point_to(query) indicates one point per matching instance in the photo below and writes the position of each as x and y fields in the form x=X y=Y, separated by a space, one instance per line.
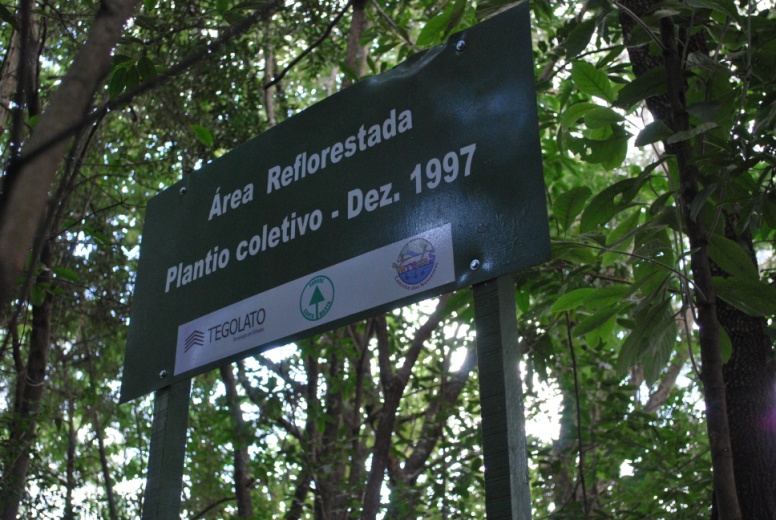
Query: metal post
x=507 y=489
x=168 y=449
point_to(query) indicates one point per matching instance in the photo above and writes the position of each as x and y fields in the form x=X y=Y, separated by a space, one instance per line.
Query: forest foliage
x=657 y=128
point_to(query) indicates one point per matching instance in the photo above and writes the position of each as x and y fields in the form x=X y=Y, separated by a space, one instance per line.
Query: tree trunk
x=330 y=472
x=24 y=205
x=9 y=79
x=269 y=71
x=743 y=390
x=31 y=381
x=71 y=444
x=300 y=495
x=750 y=384
x=393 y=386
x=108 y=481
x=240 y=442
x=357 y=53
x=405 y=496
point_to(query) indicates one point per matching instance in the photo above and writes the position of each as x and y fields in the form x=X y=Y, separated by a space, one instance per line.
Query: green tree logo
x=317 y=298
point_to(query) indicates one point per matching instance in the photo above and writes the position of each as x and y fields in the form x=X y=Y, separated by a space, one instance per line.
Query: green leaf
x=118 y=82
x=654 y=132
x=592 y=81
x=601 y=117
x=574 y=113
x=609 y=153
x=571 y=300
x=603 y=333
x=606 y=296
x=203 y=134
x=652 y=341
x=349 y=72
x=624 y=230
x=726 y=7
x=146 y=68
x=693 y=132
x=133 y=78
x=146 y=22
x=233 y=16
x=601 y=209
x=651 y=83
x=700 y=200
x=706 y=112
x=569 y=204
x=769 y=212
x=574 y=253
x=622 y=233
x=579 y=37
x=765 y=119
x=67 y=274
x=597 y=320
x=732 y=258
x=750 y=296
x=439 y=26
x=121 y=59
x=459 y=7
x=98 y=236
x=523 y=300
x=488 y=8
x=37 y=295
x=725 y=345
x=8 y=17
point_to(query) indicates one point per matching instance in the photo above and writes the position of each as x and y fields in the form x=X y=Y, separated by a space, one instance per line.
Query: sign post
x=507 y=489
x=164 y=484
x=409 y=184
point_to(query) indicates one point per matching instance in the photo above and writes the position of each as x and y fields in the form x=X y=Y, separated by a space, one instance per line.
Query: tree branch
x=310 y=49
x=228 y=34
x=434 y=418
x=668 y=382
x=393 y=389
x=423 y=334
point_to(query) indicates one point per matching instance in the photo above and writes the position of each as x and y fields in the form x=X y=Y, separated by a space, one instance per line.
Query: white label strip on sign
x=381 y=276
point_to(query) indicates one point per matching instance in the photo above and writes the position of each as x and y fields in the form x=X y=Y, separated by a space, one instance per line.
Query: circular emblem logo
x=416 y=263
x=317 y=298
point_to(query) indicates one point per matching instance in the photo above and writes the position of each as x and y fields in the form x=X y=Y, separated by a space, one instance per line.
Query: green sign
x=408 y=184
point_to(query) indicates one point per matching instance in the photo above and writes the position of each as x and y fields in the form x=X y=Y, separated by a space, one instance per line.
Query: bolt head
x=183 y=190
x=461 y=45
x=162 y=374
x=474 y=264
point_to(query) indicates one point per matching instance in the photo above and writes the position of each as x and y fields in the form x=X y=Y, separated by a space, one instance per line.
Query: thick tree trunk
x=24 y=206
x=750 y=383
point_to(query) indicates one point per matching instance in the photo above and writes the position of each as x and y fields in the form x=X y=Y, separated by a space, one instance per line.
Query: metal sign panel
x=408 y=184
